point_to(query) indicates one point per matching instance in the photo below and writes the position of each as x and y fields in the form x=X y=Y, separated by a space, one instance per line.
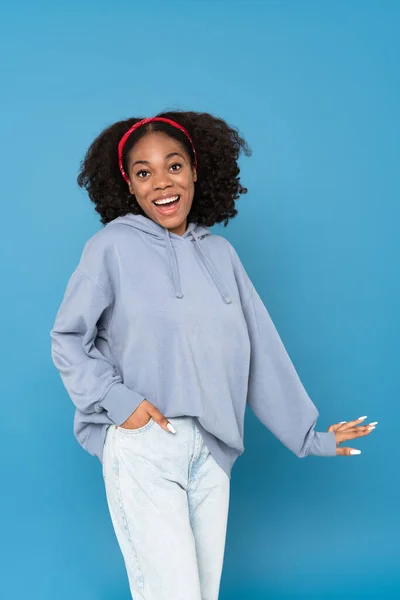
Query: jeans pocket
x=146 y=427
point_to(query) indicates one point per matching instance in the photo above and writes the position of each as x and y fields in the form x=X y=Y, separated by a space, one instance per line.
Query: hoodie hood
x=196 y=233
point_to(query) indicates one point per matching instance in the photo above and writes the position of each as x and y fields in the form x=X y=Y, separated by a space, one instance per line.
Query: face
x=159 y=170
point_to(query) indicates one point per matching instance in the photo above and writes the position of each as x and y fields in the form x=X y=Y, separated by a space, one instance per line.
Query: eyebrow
x=146 y=162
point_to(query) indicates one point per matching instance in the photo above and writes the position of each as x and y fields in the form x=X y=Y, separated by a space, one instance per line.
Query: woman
x=160 y=341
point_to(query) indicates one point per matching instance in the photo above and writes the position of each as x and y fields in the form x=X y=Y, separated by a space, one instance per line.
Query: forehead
x=156 y=144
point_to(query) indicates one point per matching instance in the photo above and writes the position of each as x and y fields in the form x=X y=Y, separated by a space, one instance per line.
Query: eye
x=140 y=173
x=176 y=165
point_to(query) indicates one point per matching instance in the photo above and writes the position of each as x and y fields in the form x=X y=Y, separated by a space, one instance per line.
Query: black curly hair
x=217 y=145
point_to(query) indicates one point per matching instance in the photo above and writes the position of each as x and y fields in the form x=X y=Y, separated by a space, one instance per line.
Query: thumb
x=347 y=451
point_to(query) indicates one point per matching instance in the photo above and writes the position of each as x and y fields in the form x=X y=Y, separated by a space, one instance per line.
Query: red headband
x=124 y=138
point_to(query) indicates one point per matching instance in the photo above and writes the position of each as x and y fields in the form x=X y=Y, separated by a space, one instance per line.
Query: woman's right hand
x=142 y=415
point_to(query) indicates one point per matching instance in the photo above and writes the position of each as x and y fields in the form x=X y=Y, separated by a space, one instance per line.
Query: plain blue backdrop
x=314 y=88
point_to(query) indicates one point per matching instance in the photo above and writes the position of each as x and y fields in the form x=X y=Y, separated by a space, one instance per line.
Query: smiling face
x=159 y=171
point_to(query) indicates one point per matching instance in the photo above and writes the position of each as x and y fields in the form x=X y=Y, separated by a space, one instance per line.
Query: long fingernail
x=374 y=423
x=170 y=427
x=341 y=422
x=370 y=428
x=355 y=451
x=361 y=418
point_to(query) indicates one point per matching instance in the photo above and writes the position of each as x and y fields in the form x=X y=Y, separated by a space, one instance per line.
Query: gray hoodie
x=148 y=314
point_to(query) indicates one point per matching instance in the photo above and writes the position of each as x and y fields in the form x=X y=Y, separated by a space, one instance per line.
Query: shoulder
x=105 y=241
x=220 y=244
x=100 y=255
x=219 y=241
x=223 y=247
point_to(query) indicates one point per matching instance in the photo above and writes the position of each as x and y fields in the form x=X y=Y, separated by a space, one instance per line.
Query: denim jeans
x=168 y=501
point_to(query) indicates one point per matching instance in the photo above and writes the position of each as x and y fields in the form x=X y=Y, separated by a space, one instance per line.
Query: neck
x=180 y=230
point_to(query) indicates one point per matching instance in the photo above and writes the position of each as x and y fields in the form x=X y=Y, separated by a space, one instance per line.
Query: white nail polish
x=341 y=422
x=361 y=418
x=374 y=423
x=355 y=451
x=170 y=427
x=370 y=428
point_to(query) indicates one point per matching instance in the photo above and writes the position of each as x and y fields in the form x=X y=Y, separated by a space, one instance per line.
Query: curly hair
x=217 y=145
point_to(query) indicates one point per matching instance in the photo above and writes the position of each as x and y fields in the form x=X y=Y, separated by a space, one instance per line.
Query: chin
x=173 y=224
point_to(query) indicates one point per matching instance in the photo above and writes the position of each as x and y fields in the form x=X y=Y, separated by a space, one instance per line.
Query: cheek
x=188 y=183
x=141 y=190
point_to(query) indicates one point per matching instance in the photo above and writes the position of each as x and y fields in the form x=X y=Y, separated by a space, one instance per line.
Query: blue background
x=314 y=88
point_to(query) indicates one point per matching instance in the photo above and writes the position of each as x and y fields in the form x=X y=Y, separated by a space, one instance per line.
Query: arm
x=275 y=392
x=89 y=377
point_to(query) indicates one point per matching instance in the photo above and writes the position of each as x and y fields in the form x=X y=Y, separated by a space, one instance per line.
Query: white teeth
x=166 y=200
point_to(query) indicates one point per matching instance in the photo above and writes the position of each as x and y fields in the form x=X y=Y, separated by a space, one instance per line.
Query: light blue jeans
x=169 y=502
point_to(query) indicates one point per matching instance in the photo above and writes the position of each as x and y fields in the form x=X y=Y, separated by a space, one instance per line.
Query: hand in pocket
x=142 y=415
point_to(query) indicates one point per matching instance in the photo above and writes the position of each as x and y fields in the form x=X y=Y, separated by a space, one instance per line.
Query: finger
x=354 y=423
x=336 y=426
x=347 y=451
x=351 y=434
x=160 y=419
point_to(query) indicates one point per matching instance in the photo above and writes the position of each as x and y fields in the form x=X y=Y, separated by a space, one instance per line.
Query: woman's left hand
x=349 y=431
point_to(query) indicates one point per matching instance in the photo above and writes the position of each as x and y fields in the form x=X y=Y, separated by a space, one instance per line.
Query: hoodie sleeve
x=89 y=377
x=275 y=392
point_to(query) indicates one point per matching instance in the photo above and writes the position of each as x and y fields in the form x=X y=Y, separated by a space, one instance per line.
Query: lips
x=169 y=208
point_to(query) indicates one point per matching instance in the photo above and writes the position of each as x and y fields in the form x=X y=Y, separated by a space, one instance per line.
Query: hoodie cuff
x=120 y=402
x=323 y=444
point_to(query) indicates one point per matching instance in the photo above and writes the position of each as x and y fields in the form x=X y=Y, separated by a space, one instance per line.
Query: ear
x=194 y=175
x=131 y=188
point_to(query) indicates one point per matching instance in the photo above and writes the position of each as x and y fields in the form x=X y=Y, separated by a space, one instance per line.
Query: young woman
x=161 y=340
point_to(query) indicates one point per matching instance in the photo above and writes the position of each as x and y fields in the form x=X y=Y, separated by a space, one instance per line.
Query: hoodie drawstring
x=174 y=266
x=216 y=277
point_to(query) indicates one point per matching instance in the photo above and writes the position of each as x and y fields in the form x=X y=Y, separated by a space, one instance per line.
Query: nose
x=161 y=181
